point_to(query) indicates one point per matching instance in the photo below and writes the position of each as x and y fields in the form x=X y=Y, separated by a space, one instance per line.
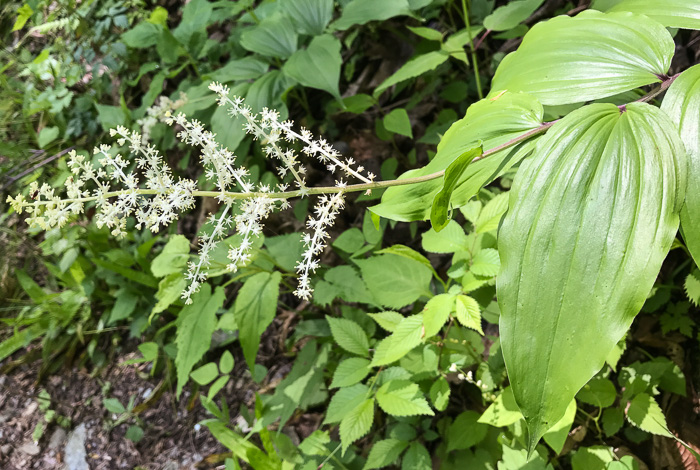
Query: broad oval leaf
x=593 y=214
x=511 y=15
x=494 y=121
x=310 y=16
x=682 y=104
x=595 y=55
x=273 y=37
x=671 y=13
x=317 y=66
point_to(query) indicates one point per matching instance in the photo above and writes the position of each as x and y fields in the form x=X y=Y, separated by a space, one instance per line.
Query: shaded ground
x=170 y=439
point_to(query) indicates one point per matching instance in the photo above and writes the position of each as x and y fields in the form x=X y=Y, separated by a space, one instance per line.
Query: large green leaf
x=671 y=13
x=254 y=310
x=395 y=281
x=493 y=121
x=413 y=68
x=595 y=55
x=274 y=37
x=592 y=216
x=682 y=104
x=195 y=326
x=317 y=66
x=511 y=15
x=363 y=11
x=310 y=16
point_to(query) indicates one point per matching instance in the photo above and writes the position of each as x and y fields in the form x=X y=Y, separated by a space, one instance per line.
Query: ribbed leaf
x=592 y=216
x=671 y=13
x=402 y=398
x=349 y=335
x=493 y=121
x=595 y=55
x=357 y=423
x=682 y=104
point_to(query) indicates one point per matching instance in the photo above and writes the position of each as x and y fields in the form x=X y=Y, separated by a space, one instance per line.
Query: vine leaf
x=682 y=104
x=593 y=214
x=595 y=55
x=670 y=13
x=494 y=121
x=196 y=324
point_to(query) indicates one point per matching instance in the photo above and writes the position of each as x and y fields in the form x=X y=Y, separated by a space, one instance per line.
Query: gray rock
x=74 y=453
x=58 y=438
x=29 y=448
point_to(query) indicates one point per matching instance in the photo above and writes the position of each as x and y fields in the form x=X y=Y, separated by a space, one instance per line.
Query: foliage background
x=382 y=81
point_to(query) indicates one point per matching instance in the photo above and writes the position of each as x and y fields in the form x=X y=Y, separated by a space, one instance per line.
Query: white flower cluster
x=144 y=187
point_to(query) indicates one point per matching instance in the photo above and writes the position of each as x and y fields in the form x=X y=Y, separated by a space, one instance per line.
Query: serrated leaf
x=416 y=457
x=486 y=263
x=492 y=213
x=592 y=250
x=494 y=121
x=436 y=312
x=350 y=371
x=349 y=335
x=402 y=398
x=388 y=320
x=511 y=15
x=440 y=394
x=254 y=310
x=317 y=66
x=448 y=240
x=315 y=444
x=441 y=209
x=195 y=325
x=468 y=313
x=415 y=67
x=408 y=335
x=395 y=281
x=670 y=13
x=465 y=431
x=384 y=453
x=682 y=104
x=692 y=286
x=646 y=414
x=356 y=423
x=344 y=401
x=596 y=55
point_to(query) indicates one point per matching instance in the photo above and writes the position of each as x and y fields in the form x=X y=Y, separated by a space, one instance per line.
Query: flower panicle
x=138 y=183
